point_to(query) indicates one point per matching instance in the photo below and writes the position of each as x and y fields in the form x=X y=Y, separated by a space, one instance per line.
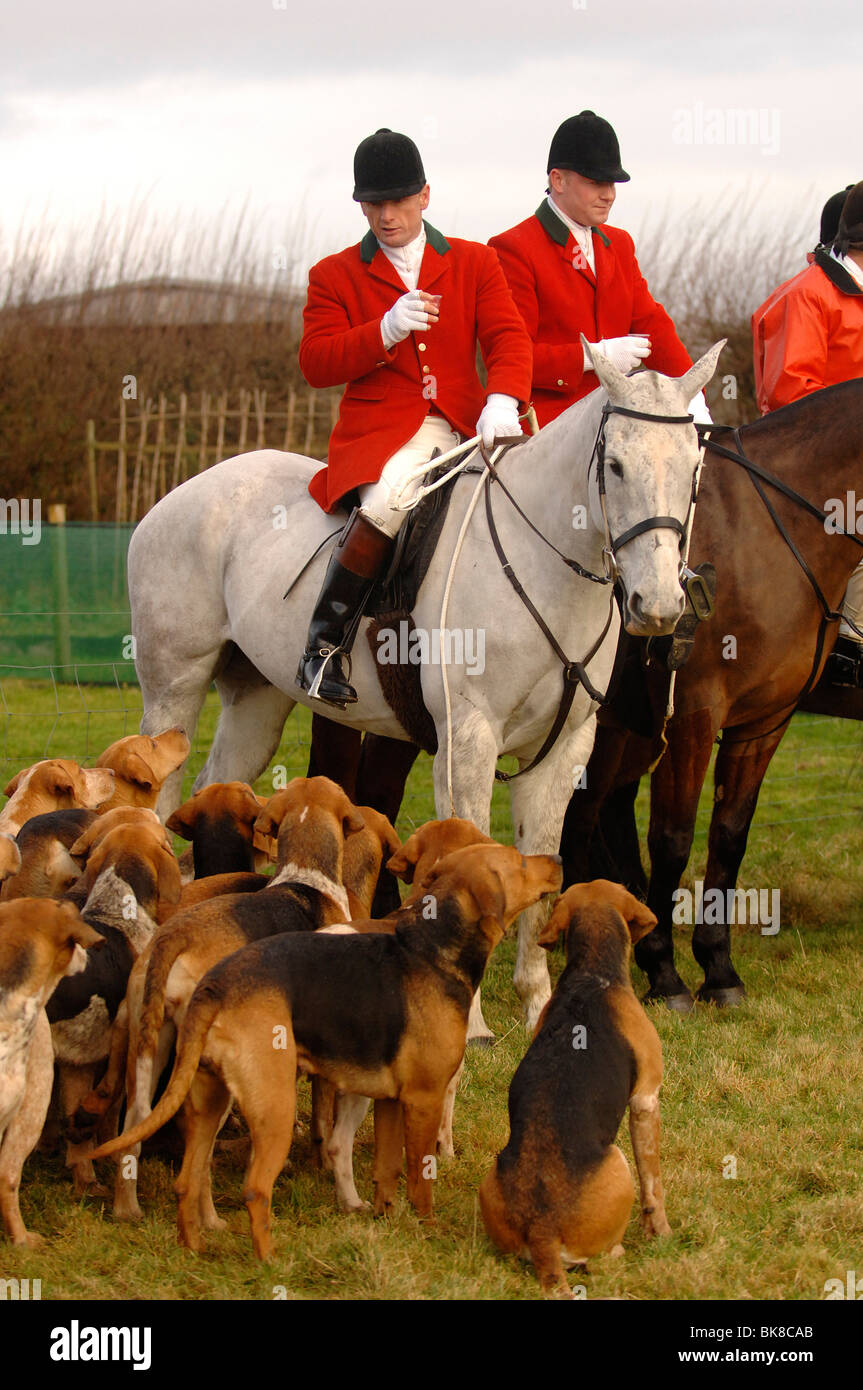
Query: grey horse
x=210 y=564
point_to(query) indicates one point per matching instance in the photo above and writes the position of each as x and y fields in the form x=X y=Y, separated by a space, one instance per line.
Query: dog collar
x=313 y=878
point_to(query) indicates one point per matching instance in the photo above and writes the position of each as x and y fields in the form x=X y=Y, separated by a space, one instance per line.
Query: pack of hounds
x=135 y=987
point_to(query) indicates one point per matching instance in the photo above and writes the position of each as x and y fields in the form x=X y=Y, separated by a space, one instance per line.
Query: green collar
x=558 y=230
x=434 y=238
x=836 y=273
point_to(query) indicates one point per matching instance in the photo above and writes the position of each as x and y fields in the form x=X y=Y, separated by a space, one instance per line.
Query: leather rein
x=574 y=672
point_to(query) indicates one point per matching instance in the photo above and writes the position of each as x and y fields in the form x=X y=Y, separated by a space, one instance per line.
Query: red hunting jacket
x=558 y=298
x=808 y=334
x=389 y=394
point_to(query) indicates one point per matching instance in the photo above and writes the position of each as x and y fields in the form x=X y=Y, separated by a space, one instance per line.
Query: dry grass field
x=762 y=1107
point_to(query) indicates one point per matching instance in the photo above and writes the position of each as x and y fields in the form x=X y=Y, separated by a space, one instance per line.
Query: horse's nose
x=652 y=619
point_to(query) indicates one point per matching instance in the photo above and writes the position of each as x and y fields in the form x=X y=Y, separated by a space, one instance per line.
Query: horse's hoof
x=482 y=1040
x=723 y=998
x=682 y=1003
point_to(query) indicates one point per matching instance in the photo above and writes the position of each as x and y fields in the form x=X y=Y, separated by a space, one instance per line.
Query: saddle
x=394 y=597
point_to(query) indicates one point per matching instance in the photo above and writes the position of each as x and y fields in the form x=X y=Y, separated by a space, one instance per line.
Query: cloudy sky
x=188 y=110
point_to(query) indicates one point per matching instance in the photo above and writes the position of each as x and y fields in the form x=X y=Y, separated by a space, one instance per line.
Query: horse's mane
x=816 y=417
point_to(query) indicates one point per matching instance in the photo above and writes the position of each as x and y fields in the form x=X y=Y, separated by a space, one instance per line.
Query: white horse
x=210 y=565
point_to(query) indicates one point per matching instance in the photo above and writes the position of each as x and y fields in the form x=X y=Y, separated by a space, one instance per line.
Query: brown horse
x=750 y=664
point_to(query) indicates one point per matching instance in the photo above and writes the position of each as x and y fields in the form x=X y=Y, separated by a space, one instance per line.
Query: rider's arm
x=332 y=349
x=506 y=346
x=795 y=334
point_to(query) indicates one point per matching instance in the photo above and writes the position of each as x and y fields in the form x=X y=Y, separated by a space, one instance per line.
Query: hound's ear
x=182 y=821
x=13 y=785
x=487 y=890
x=132 y=768
x=81 y=848
x=62 y=784
x=557 y=922
x=266 y=826
x=352 y=822
x=640 y=920
x=404 y=862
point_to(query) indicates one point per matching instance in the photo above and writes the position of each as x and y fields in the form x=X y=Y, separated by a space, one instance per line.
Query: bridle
x=651 y=523
x=574 y=672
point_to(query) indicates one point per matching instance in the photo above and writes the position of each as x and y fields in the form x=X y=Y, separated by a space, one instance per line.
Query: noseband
x=650 y=523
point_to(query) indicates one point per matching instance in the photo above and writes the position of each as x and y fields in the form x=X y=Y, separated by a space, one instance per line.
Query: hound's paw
x=654 y=1222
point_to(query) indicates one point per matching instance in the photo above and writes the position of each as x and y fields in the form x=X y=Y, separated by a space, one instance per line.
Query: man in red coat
x=398 y=318
x=569 y=277
x=809 y=334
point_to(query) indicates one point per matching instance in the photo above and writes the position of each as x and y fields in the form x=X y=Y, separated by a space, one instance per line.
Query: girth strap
x=574 y=673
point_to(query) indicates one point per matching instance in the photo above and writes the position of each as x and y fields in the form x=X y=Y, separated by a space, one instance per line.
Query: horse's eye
x=616 y=467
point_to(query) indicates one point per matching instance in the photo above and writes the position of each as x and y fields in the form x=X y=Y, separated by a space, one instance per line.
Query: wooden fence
x=157 y=445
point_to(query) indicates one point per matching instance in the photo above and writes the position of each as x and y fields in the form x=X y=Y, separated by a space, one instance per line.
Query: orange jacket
x=558 y=298
x=389 y=394
x=808 y=334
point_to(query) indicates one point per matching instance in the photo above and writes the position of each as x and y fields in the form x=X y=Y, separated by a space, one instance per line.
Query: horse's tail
x=206 y=1003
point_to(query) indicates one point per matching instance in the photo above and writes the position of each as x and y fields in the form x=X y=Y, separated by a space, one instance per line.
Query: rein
x=574 y=672
x=758 y=476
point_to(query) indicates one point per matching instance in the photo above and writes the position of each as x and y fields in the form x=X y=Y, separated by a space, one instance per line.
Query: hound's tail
x=165 y=951
x=206 y=1003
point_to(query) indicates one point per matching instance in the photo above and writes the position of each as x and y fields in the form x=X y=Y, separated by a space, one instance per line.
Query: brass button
x=559 y=382
x=426 y=367
x=421 y=346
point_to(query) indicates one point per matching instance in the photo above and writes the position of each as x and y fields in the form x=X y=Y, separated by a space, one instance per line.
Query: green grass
x=776 y=1085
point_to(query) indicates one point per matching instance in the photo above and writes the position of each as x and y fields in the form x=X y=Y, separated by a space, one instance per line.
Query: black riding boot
x=844 y=665
x=357 y=561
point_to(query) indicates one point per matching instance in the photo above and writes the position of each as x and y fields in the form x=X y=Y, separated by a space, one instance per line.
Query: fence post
x=60 y=568
x=91 y=470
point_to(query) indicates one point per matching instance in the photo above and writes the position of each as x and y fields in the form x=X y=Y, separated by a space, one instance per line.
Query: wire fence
x=68 y=685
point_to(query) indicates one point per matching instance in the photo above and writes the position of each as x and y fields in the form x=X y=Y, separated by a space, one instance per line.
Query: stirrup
x=347 y=695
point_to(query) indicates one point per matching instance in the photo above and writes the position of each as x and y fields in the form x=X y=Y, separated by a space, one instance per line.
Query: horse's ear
x=609 y=376
x=701 y=371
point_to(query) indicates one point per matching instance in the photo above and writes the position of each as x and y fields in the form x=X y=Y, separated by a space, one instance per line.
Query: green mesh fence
x=64 y=604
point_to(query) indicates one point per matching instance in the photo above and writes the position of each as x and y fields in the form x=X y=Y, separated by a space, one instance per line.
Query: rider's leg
x=844 y=665
x=363 y=550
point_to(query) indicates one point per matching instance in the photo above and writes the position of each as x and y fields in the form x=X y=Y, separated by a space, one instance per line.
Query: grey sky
x=197 y=105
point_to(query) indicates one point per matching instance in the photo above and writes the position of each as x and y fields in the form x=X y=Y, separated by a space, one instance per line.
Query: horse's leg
x=580 y=824
x=739 y=772
x=335 y=753
x=474 y=758
x=173 y=697
x=385 y=765
x=674 y=792
x=539 y=801
x=616 y=853
x=250 y=725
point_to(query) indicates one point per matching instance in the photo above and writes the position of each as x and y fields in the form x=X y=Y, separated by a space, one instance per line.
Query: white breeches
x=433 y=433
x=853 y=606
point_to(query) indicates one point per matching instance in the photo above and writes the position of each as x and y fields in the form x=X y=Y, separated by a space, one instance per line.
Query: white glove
x=625 y=353
x=699 y=410
x=499 y=417
x=407 y=314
